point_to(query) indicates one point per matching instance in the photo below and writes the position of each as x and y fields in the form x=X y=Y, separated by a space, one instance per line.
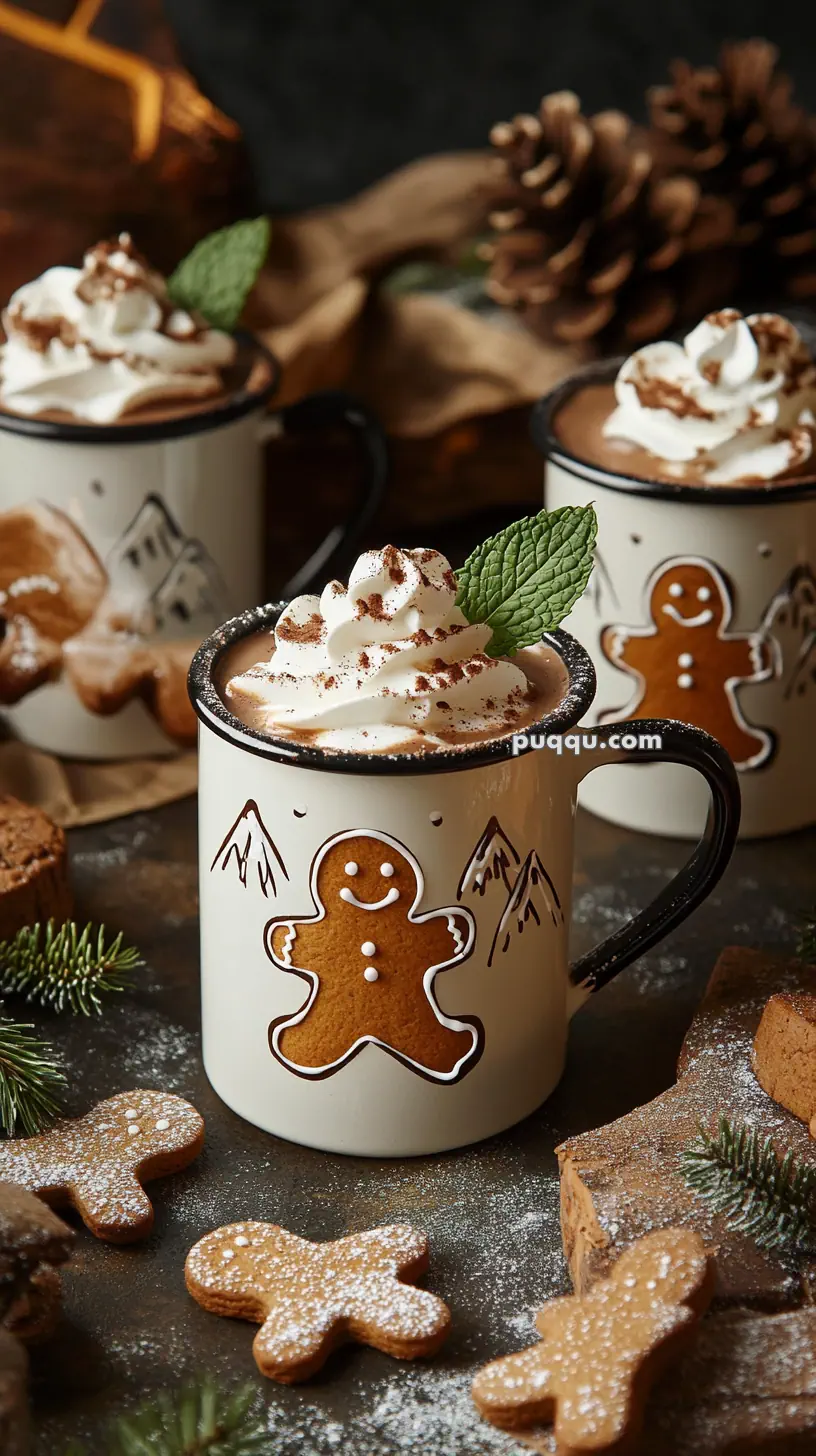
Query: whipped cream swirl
x=734 y=402
x=100 y=341
x=389 y=662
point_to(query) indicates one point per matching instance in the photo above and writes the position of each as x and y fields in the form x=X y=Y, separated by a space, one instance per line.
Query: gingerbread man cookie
x=309 y=1298
x=686 y=662
x=591 y=1372
x=371 y=960
x=98 y=1162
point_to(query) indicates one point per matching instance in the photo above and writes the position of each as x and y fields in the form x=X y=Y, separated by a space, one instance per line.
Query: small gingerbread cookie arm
x=391 y=1315
x=632 y=653
x=290 y=943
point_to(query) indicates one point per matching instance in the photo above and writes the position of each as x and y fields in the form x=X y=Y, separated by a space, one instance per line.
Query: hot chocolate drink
x=734 y=404
x=104 y=343
x=387 y=665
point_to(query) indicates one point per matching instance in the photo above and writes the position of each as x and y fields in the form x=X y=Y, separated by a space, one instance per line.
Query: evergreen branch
x=65 y=969
x=744 y=1179
x=197 y=1420
x=31 y=1080
x=806 y=945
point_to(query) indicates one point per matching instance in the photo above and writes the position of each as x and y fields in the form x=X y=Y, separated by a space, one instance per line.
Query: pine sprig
x=759 y=1193
x=198 y=1420
x=806 y=945
x=64 y=968
x=31 y=1080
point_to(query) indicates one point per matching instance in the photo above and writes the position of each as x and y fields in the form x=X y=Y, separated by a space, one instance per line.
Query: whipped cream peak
x=384 y=662
x=100 y=341
x=736 y=401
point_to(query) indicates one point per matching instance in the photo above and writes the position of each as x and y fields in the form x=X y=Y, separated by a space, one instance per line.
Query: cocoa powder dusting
x=372 y=607
x=392 y=564
x=662 y=394
x=311 y=630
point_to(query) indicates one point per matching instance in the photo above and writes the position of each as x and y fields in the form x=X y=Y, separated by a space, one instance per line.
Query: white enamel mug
x=332 y=883
x=167 y=517
x=738 y=565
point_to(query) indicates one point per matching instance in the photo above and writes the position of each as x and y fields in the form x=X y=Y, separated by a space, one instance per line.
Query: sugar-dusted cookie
x=309 y=1298
x=600 y=1352
x=784 y=1054
x=371 y=959
x=97 y=1163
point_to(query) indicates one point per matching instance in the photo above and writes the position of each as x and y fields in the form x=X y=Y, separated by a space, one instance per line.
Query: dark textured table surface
x=129 y=1328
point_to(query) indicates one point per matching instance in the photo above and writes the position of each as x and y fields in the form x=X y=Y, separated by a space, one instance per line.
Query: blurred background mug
x=701 y=608
x=122 y=546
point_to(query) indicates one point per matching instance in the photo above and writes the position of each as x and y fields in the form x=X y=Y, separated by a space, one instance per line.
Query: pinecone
x=736 y=130
x=592 y=245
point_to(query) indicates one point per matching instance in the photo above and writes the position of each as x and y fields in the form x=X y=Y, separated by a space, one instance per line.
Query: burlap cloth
x=450 y=384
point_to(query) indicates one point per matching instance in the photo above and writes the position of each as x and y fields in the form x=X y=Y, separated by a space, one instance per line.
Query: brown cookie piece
x=97 y=1163
x=109 y=668
x=33 y=1241
x=309 y=1298
x=600 y=1352
x=51 y=583
x=371 y=958
x=26 y=659
x=33 y=868
x=784 y=1056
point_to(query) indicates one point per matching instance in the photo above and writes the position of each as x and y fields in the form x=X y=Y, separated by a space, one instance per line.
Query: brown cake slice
x=33 y=868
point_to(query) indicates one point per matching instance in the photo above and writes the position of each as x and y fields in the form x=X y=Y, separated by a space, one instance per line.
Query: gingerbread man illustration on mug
x=371 y=960
x=687 y=665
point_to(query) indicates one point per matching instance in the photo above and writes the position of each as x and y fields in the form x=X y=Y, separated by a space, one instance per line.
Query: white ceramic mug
x=172 y=512
x=460 y=862
x=739 y=564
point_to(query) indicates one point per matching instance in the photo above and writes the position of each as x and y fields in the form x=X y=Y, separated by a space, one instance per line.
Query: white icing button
x=685 y=680
x=368 y=948
x=371 y=973
x=386 y=870
x=228 y=1254
x=685 y=660
x=351 y=868
x=703 y=593
x=242 y=1242
x=130 y=1114
x=162 y=1124
x=133 y=1129
x=675 y=590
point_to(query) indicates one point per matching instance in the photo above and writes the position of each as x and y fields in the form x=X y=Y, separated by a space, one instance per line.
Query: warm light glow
x=149 y=86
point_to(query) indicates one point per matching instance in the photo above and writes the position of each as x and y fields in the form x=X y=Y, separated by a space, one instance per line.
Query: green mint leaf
x=523 y=581
x=216 y=278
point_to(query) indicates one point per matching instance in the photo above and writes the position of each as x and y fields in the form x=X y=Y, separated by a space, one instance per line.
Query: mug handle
x=323 y=411
x=683 y=744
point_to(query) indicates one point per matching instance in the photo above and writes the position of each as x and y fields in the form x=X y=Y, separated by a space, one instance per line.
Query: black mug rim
x=603 y=372
x=213 y=714
x=240 y=402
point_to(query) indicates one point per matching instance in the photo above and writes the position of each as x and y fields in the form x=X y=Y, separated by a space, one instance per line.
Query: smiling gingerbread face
x=688 y=595
x=367 y=873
